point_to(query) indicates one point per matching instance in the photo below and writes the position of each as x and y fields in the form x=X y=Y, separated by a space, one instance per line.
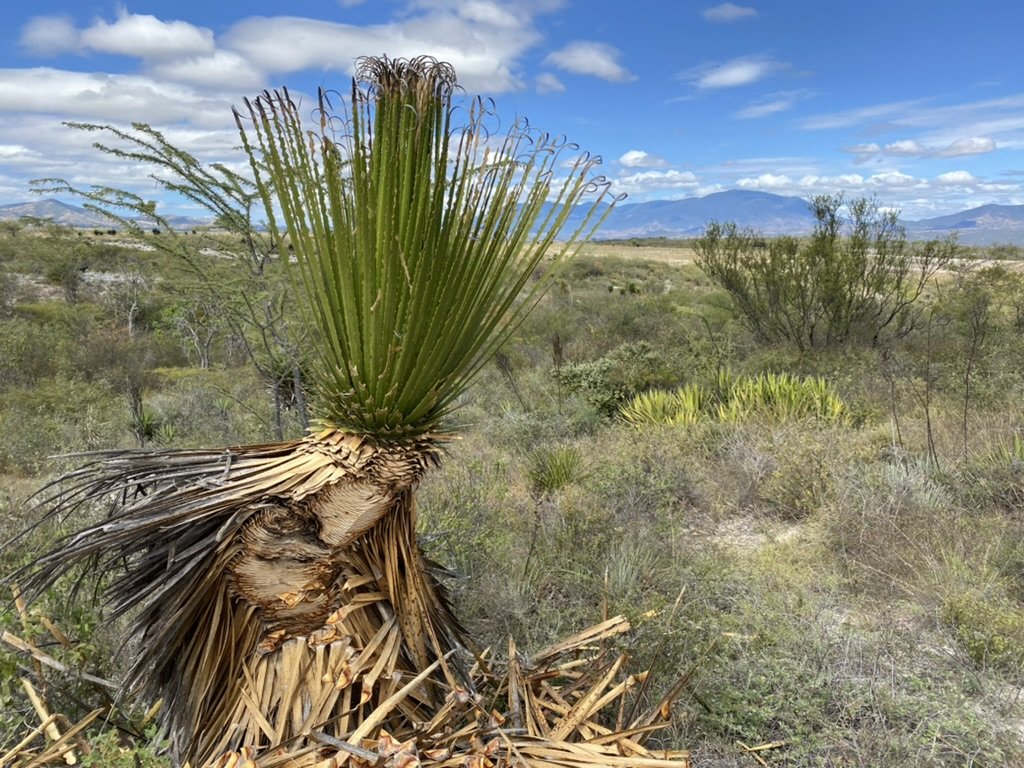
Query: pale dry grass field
x=670 y=254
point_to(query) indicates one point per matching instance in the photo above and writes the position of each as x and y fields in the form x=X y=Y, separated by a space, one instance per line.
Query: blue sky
x=918 y=103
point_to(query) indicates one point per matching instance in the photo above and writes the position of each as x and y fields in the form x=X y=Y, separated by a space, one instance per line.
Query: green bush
x=605 y=383
x=990 y=628
x=833 y=288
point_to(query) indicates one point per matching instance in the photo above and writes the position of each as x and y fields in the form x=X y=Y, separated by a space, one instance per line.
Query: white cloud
x=483 y=39
x=764 y=108
x=14 y=153
x=772 y=104
x=147 y=37
x=897 y=179
x=637 y=158
x=905 y=148
x=852 y=117
x=485 y=12
x=733 y=73
x=549 y=83
x=947 y=131
x=485 y=57
x=956 y=178
x=864 y=152
x=221 y=70
x=975 y=145
x=655 y=183
x=911 y=148
x=728 y=12
x=842 y=181
x=108 y=98
x=49 y=35
x=996 y=187
x=586 y=57
x=770 y=181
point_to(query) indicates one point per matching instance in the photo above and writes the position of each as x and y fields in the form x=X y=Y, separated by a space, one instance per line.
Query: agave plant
x=780 y=397
x=784 y=397
x=264 y=579
x=685 y=405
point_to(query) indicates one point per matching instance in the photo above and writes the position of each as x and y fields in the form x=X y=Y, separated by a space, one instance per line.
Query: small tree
x=197 y=324
x=855 y=278
x=66 y=271
x=244 y=277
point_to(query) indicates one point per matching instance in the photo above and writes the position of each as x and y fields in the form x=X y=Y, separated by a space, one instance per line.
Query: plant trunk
x=315 y=635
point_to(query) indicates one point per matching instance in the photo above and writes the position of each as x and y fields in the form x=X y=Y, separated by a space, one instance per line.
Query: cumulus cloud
x=49 y=35
x=975 y=145
x=549 y=83
x=956 y=178
x=905 y=148
x=147 y=37
x=813 y=183
x=917 y=197
x=483 y=39
x=894 y=179
x=223 y=69
x=17 y=153
x=949 y=130
x=485 y=57
x=108 y=98
x=733 y=73
x=586 y=57
x=637 y=158
x=655 y=182
x=728 y=12
x=770 y=181
x=842 y=181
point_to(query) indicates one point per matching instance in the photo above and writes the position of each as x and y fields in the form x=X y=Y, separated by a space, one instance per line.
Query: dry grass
x=668 y=254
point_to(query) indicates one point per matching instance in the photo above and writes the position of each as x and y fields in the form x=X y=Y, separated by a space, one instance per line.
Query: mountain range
x=80 y=218
x=761 y=211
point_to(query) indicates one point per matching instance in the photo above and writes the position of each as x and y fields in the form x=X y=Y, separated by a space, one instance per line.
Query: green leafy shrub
x=990 y=628
x=834 y=288
x=607 y=382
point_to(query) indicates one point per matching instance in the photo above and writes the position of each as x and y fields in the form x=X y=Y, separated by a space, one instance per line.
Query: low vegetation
x=834 y=564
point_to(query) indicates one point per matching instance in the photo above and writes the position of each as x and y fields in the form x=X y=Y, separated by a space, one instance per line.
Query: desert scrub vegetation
x=775 y=397
x=856 y=277
x=843 y=592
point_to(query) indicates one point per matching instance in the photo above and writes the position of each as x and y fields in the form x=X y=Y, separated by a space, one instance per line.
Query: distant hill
x=764 y=212
x=978 y=226
x=75 y=216
x=55 y=211
x=761 y=211
x=777 y=215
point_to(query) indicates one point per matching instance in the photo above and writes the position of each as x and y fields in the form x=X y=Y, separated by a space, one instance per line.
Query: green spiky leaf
x=420 y=244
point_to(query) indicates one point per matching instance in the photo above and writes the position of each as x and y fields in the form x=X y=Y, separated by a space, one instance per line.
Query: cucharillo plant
x=266 y=579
